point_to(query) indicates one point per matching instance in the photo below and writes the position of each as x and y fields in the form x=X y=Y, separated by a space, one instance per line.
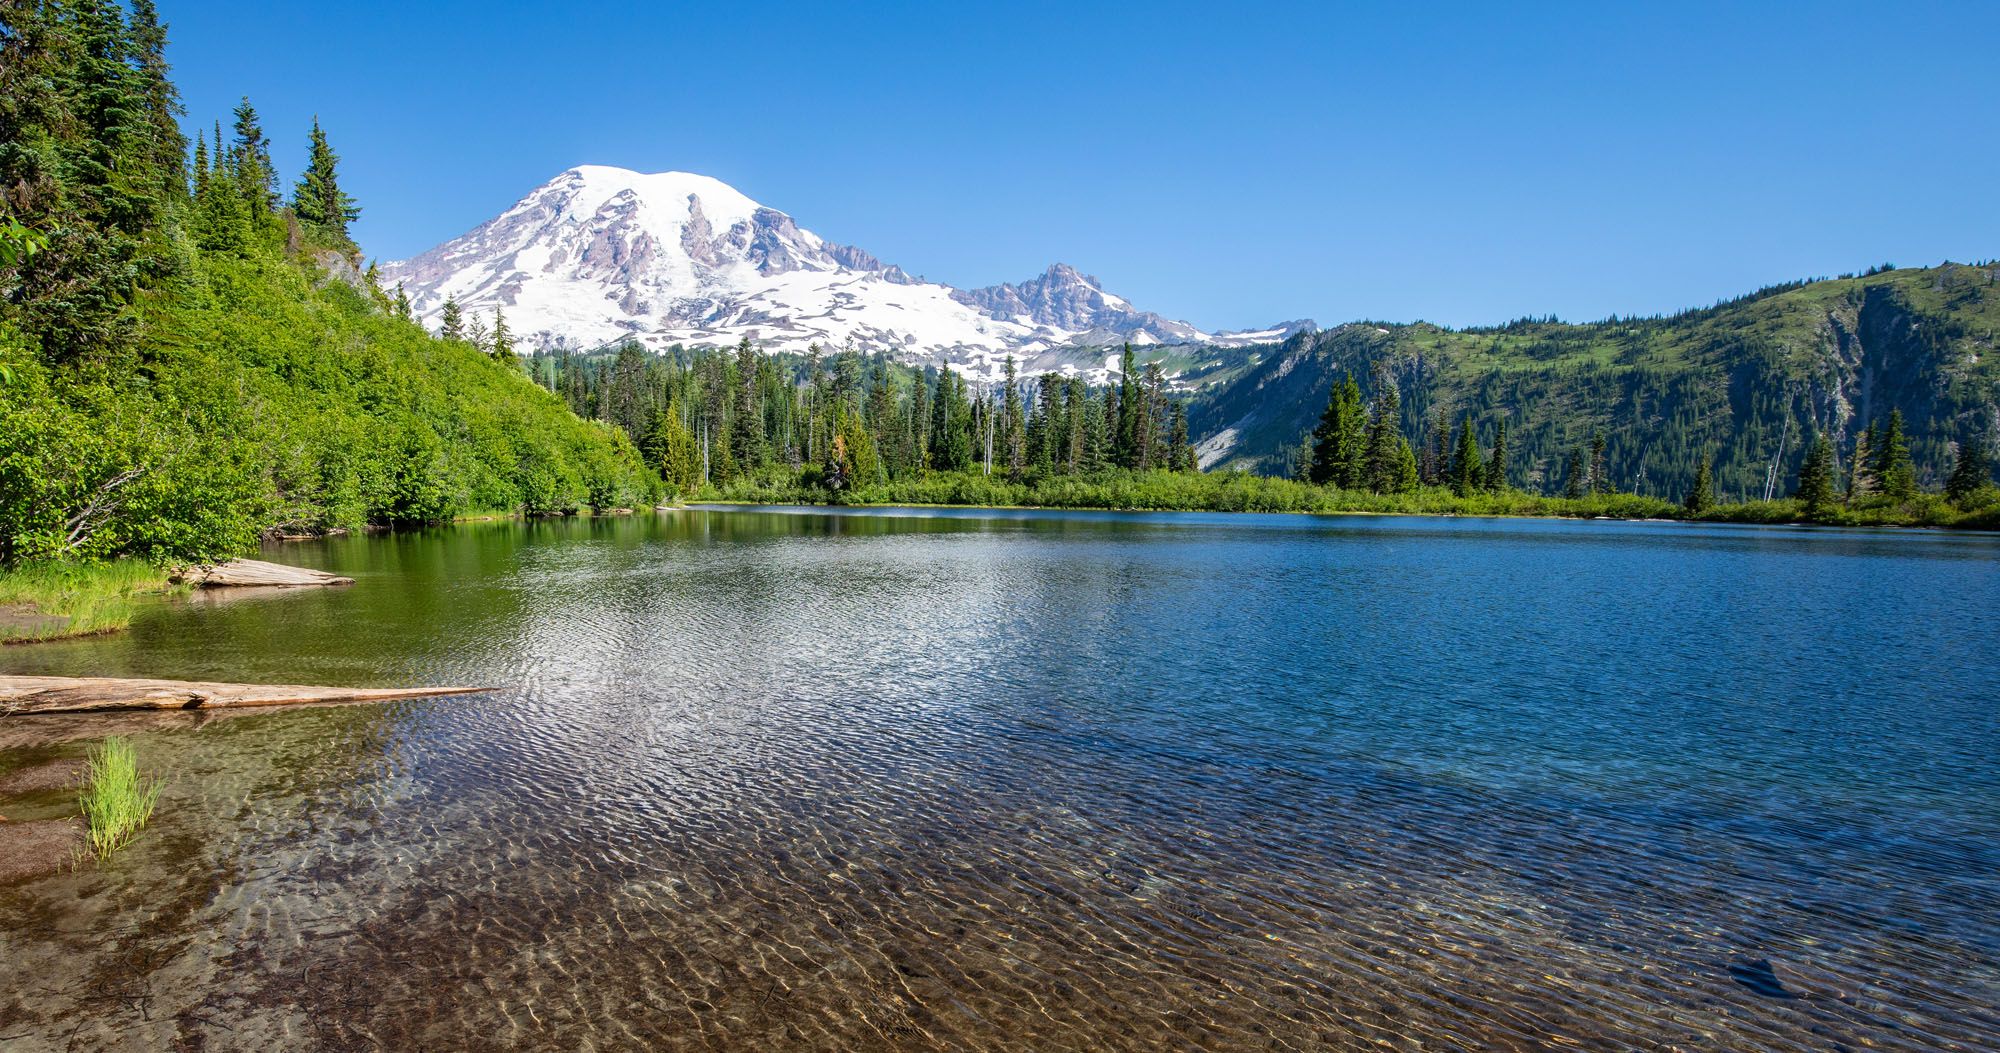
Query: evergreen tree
x=1816 y=478
x=250 y=160
x=1385 y=443
x=1860 y=473
x=1465 y=463
x=1600 y=466
x=1969 y=474
x=502 y=340
x=1701 y=497
x=451 y=320
x=1406 y=478
x=1574 y=475
x=1181 y=457
x=1013 y=423
x=162 y=101
x=318 y=199
x=1495 y=476
x=746 y=427
x=1128 y=410
x=1340 y=442
x=1892 y=461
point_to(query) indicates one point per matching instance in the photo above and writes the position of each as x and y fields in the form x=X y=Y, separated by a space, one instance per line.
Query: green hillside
x=1749 y=380
x=190 y=359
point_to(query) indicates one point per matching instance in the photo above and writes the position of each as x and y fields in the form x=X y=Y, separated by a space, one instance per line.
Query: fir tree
x=1575 y=482
x=1181 y=458
x=250 y=159
x=1128 y=410
x=318 y=199
x=1701 y=497
x=1969 y=473
x=1495 y=476
x=746 y=428
x=1013 y=423
x=1600 y=466
x=1861 y=466
x=451 y=320
x=502 y=340
x=1892 y=461
x=1385 y=443
x=1465 y=463
x=1815 y=489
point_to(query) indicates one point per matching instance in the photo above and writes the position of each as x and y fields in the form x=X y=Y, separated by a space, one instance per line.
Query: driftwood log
x=257 y=572
x=23 y=695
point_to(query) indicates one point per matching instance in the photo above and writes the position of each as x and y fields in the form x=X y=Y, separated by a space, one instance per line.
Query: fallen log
x=240 y=572
x=23 y=695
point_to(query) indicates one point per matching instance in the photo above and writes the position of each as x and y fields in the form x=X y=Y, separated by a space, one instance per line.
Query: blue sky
x=1233 y=164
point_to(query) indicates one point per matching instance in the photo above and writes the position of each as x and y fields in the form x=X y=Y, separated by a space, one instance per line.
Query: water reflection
x=1027 y=780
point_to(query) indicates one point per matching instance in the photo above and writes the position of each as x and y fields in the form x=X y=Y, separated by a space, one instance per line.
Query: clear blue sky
x=1230 y=163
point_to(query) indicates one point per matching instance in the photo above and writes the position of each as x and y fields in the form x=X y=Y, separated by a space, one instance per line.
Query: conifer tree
x=318 y=199
x=502 y=340
x=1385 y=441
x=1013 y=423
x=250 y=159
x=1700 y=497
x=1892 y=461
x=746 y=428
x=1574 y=483
x=1128 y=410
x=1969 y=473
x=1406 y=478
x=1600 y=466
x=1861 y=466
x=451 y=320
x=1496 y=467
x=162 y=101
x=1182 y=452
x=1816 y=478
x=1465 y=463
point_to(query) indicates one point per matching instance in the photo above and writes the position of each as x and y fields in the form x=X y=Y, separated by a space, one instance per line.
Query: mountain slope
x=601 y=253
x=1749 y=380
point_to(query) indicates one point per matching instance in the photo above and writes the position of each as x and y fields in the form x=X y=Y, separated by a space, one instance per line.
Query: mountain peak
x=600 y=253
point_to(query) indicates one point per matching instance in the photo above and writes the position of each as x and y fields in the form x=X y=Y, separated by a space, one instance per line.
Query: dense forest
x=190 y=356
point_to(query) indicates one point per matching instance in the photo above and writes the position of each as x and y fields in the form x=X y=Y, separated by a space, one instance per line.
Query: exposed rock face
x=599 y=253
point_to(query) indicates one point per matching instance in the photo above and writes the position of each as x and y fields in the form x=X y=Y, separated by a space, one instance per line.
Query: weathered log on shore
x=23 y=695
x=238 y=572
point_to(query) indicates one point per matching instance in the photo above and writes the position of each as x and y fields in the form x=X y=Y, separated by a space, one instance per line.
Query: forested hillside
x=189 y=356
x=1748 y=382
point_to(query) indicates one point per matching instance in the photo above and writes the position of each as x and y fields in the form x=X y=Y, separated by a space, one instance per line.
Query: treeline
x=190 y=358
x=713 y=419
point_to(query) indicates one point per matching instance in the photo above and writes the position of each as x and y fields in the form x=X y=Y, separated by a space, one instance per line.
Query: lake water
x=785 y=779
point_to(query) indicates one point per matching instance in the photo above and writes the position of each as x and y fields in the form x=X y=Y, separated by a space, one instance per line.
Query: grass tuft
x=47 y=601
x=116 y=800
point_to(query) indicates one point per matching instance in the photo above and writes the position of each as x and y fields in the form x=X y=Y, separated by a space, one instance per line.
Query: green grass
x=1244 y=492
x=116 y=800
x=46 y=601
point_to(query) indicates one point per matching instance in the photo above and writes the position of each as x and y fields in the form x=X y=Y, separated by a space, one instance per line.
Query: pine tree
x=1324 y=455
x=1128 y=410
x=1600 y=466
x=1495 y=477
x=1181 y=457
x=1013 y=423
x=1892 y=461
x=318 y=199
x=1969 y=474
x=1339 y=443
x=1406 y=478
x=1701 y=497
x=1385 y=443
x=1574 y=481
x=1465 y=464
x=1816 y=478
x=250 y=159
x=162 y=101
x=746 y=426
x=1861 y=466
x=451 y=320
x=502 y=340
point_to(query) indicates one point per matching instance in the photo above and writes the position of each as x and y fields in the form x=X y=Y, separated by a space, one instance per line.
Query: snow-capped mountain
x=600 y=253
